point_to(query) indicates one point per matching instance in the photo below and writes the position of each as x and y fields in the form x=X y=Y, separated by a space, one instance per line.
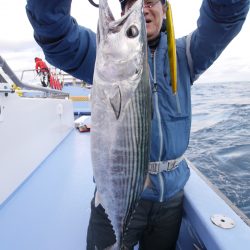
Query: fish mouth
x=122 y=19
x=104 y=6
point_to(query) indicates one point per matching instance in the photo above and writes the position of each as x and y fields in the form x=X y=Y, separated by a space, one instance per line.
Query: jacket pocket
x=177 y=132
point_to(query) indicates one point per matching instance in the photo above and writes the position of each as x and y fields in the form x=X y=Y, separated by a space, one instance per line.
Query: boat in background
x=46 y=181
x=78 y=91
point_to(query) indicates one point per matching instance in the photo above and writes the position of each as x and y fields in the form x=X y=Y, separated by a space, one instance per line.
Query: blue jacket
x=72 y=48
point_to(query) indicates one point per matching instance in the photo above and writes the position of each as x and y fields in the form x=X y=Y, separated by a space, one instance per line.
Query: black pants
x=44 y=77
x=155 y=225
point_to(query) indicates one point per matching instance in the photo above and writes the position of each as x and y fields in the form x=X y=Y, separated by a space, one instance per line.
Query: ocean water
x=220 y=138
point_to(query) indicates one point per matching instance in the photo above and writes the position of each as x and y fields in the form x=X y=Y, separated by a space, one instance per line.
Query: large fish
x=121 y=113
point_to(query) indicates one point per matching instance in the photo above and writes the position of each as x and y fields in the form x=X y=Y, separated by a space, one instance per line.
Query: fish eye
x=132 y=32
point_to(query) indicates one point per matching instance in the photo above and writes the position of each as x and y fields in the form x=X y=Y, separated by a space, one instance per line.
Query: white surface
x=85 y=120
x=30 y=129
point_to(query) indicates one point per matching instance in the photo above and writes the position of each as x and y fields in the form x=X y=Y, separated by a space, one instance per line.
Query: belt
x=160 y=166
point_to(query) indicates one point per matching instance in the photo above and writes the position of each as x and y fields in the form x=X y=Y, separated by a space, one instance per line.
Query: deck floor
x=50 y=210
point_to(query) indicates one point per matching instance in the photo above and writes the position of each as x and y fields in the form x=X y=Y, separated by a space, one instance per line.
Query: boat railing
x=47 y=91
x=226 y=200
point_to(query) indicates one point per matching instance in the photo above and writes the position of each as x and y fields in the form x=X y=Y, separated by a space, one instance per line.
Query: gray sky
x=18 y=47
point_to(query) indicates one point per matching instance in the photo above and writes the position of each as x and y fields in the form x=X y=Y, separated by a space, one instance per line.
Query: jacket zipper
x=158 y=116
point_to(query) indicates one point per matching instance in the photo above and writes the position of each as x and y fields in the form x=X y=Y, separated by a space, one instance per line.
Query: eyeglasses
x=147 y=4
x=150 y=4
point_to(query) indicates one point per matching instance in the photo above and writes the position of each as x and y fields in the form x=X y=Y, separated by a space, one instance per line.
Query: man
x=43 y=71
x=72 y=48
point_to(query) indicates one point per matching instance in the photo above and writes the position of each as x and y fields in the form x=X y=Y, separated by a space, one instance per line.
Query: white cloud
x=18 y=47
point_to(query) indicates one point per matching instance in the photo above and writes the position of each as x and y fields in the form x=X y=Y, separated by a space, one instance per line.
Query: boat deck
x=50 y=210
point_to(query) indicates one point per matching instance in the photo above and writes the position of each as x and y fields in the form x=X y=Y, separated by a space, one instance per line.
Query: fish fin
x=97 y=199
x=116 y=100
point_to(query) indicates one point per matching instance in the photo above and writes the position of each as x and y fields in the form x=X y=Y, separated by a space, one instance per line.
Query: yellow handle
x=171 y=48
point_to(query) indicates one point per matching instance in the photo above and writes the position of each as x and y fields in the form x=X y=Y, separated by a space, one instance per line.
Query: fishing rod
x=94 y=4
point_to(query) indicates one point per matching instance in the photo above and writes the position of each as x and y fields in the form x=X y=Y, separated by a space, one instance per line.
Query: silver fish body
x=120 y=113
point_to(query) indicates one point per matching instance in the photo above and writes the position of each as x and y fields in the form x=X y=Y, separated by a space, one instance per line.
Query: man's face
x=154 y=12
